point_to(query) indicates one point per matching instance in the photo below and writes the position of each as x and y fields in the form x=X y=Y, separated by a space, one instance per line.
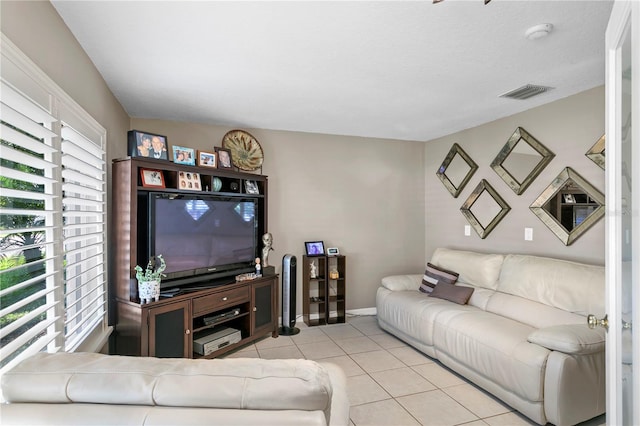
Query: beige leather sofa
x=95 y=389
x=523 y=335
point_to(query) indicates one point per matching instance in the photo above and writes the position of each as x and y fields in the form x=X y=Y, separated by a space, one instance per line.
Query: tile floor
x=389 y=382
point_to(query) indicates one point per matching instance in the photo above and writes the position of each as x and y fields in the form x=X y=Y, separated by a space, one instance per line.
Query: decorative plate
x=245 y=150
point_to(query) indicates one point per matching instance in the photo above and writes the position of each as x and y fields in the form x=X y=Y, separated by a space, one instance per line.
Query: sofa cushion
x=535 y=314
x=570 y=338
x=569 y=286
x=478 y=269
x=495 y=347
x=453 y=293
x=413 y=312
x=434 y=276
x=214 y=383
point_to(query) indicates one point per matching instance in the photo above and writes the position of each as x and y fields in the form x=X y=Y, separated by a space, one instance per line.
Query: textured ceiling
x=393 y=69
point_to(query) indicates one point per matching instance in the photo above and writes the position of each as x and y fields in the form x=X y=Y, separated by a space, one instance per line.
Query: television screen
x=201 y=235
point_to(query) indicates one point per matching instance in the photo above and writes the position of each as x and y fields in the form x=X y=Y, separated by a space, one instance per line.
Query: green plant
x=153 y=271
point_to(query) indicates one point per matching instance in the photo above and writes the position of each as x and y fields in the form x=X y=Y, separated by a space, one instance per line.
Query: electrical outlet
x=528 y=234
x=467 y=230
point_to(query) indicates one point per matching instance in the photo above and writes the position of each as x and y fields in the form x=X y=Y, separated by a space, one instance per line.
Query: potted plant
x=149 y=279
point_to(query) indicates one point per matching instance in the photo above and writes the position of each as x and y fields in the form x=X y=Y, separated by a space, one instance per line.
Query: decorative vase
x=148 y=291
x=216 y=184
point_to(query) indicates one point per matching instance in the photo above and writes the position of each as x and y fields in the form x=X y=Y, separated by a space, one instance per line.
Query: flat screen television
x=201 y=237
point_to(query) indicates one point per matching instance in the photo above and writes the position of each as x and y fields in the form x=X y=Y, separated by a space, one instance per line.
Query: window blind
x=53 y=260
x=26 y=218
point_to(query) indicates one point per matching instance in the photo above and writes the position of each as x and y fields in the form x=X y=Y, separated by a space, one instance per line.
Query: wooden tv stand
x=167 y=328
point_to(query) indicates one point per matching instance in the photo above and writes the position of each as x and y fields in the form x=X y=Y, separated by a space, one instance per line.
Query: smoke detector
x=538 y=31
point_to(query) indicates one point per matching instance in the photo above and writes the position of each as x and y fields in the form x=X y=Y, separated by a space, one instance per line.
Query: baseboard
x=362 y=311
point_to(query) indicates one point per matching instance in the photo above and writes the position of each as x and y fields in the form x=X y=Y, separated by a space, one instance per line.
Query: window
x=53 y=260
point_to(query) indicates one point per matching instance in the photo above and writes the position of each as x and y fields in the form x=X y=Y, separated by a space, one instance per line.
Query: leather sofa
x=91 y=389
x=522 y=336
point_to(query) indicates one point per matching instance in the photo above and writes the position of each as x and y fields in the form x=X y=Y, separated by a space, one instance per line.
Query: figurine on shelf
x=267 y=240
x=313 y=273
x=258 y=268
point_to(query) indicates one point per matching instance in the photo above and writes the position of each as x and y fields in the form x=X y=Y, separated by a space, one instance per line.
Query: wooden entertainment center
x=168 y=327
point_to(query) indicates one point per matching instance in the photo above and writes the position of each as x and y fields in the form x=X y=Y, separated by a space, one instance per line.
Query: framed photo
x=568 y=198
x=224 y=158
x=333 y=251
x=314 y=248
x=148 y=145
x=207 y=159
x=152 y=178
x=182 y=155
x=251 y=187
x=189 y=181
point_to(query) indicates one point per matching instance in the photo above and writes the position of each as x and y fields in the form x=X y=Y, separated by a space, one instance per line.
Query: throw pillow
x=452 y=293
x=434 y=275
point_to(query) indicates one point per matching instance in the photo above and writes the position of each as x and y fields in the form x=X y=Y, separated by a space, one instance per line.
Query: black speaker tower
x=289 y=296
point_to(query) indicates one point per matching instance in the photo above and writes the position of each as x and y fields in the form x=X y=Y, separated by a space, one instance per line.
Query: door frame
x=623 y=13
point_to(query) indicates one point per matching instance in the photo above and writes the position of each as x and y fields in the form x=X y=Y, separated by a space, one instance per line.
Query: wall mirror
x=456 y=170
x=569 y=206
x=484 y=209
x=521 y=160
x=596 y=152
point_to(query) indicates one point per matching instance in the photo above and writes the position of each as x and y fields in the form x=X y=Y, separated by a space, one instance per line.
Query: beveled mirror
x=521 y=160
x=484 y=209
x=456 y=170
x=596 y=152
x=569 y=206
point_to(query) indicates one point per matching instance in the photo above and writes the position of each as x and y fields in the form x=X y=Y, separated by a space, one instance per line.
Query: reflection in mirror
x=456 y=170
x=484 y=209
x=569 y=206
x=521 y=159
x=596 y=152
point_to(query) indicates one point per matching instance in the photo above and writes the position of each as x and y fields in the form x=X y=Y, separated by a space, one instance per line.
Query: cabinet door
x=263 y=313
x=170 y=331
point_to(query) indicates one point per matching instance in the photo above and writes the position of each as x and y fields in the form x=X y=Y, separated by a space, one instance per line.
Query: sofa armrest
x=576 y=339
x=402 y=282
x=339 y=409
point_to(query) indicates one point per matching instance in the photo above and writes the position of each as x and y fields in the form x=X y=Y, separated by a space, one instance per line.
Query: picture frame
x=314 y=248
x=333 y=251
x=152 y=178
x=207 y=159
x=251 y=187
x=147 y=145
x=189 y=181
x=225 y=161
x=184 y=155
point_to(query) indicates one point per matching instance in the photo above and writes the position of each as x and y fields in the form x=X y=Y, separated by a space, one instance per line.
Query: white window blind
x=53 y=261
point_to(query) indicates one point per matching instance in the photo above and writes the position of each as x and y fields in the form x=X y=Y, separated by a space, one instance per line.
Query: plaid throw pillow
x=434 y=275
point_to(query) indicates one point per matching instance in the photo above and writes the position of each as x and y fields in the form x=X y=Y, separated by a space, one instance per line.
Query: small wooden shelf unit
x=324 y=297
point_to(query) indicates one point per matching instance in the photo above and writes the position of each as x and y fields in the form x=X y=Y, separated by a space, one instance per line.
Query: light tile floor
x=389 y=382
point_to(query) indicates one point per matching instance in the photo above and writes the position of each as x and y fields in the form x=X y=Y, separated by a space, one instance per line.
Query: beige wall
x=568 y=127
x=361 y=195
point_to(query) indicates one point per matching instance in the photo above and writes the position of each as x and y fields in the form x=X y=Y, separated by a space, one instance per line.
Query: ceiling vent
x=526 y=91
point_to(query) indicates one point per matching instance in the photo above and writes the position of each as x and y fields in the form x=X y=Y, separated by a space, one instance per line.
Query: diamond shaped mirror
x=456 y=170
x=521 y=160
x=484 y=209
x=569 y=206
x=596 y=152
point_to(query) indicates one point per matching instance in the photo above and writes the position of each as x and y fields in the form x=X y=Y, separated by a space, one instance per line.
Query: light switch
x=528 y=234
x=467 y=230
